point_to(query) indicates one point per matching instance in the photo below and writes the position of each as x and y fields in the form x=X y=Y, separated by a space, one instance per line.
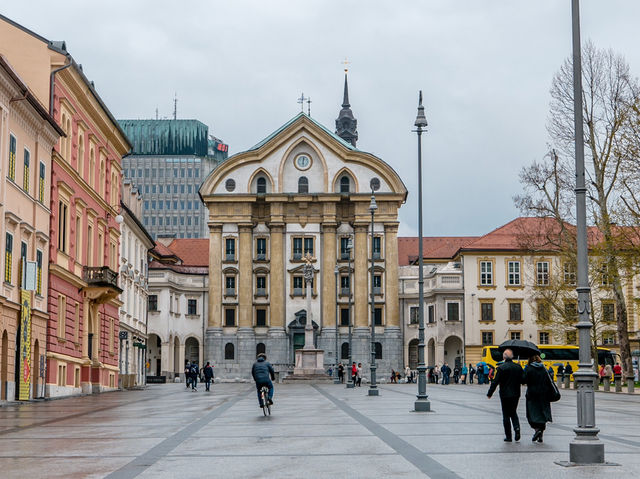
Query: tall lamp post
x=422 y=403
x=586 y=447
x=349 y=249
x=373 y=388
x=336 y=379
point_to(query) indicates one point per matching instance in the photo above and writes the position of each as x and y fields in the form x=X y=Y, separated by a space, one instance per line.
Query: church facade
x=302 y=191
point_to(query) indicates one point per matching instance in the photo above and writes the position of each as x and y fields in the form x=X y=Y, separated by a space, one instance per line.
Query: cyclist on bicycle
x=263 y=373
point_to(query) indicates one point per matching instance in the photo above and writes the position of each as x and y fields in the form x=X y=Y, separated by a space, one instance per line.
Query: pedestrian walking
x=359 y=374
x=446 y=373
x=456 y=374
x=187 y=374
x=608 y=372
x=354 y=373
x=617 y=370
x=509 y=378
x=393 y=376
x=207 y=372
x=194 y=376
x=538 y=388
x=480 y=373
x=561 y=371
x=341 y=373
x=472 y=372
x=601 y=373
x=463 y=374
x=568 y=371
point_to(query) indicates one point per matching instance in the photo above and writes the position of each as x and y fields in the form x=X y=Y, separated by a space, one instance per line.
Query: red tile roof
x=192 y=252
x=433 y=247
x=162 y=250
x=520 y=233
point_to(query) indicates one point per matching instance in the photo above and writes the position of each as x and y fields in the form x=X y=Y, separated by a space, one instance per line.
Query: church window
x=230 y=249
x=308 y=246
x=230 y=317
x=345 y=184
x=377 y=242
x=261 y=317
x=230 y=285
x=377 y=284
x=344 y=247
x=261 y=249
x=297 y=285
x=377 y=316
x=297 y=248
x=344 y=351
x=229 y=352
x=303 y=185
x=261 y=185
x=378 y=350
x=344 y=316
x=344 y=285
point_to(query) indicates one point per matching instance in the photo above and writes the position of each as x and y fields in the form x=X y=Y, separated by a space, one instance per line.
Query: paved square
x=318 y=431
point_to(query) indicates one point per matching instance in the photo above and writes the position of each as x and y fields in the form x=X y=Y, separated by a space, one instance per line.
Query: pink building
x=82 y=331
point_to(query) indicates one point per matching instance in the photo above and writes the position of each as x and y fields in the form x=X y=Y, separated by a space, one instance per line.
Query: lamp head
x=373 y=206
x=421 y=120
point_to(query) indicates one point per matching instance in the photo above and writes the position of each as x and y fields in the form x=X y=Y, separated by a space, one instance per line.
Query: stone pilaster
x=245 y=277
x=277 y=280
x=215 y=277
x=328 y=276
x=392 y=313
x=361 y=289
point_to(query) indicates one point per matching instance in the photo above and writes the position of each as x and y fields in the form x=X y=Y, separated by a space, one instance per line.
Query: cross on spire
x=346 y=64
x=301 y=101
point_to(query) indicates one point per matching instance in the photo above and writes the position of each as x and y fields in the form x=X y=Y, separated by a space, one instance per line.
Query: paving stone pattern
x=318 y=431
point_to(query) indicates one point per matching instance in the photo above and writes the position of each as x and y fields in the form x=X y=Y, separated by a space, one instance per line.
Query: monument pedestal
x=309 y=362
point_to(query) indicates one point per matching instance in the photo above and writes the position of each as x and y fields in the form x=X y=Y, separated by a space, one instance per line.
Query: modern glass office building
x=168 y=162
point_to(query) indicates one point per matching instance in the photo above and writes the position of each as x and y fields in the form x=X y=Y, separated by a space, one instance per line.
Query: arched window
x=378 y=347
x=260 y=349
x=261 y=185
x=81 y=154
x=345 y=184
x=92 y=167
x=229 y=351
x=102 y=178
x=303 y=185
x=344 y=353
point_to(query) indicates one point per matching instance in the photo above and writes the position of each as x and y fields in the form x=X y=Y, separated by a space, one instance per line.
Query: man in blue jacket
x=263 y=373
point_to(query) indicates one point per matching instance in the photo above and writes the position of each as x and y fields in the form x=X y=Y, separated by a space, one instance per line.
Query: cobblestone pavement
x=319 y=431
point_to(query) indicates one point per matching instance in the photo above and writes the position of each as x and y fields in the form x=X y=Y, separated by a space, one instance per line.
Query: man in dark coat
x=208 y=375
x=509 y=378
x=263 y=374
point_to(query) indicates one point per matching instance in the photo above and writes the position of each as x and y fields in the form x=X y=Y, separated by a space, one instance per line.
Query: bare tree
x=612 y=121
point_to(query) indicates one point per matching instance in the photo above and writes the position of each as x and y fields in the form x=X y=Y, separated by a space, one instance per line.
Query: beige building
x=303 y=190
x=27 y=136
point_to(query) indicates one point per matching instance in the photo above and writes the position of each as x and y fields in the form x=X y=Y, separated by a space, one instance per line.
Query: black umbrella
x=520 y=348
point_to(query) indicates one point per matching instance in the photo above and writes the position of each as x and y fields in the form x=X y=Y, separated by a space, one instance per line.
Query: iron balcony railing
x=100 y=276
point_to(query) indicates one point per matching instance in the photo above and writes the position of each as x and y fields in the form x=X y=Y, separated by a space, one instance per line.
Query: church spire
x=346 y=124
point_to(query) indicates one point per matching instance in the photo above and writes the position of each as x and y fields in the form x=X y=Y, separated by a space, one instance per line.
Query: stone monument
x=309 y=360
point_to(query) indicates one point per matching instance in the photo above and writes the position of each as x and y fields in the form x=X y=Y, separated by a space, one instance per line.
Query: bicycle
x=264 y=398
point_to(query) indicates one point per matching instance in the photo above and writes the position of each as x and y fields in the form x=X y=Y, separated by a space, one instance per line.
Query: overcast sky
x=485 y=68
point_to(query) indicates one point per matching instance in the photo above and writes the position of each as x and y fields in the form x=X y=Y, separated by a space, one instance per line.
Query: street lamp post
x=336 y=379
x=422 y=403
x=586 y=447
x=373 y=388
x=349 y=249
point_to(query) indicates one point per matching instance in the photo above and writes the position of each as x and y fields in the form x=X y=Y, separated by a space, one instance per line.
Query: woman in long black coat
x=538 y=384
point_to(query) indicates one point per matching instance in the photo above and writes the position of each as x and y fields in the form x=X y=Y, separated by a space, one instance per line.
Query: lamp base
x=422 y=405
x=373 y=392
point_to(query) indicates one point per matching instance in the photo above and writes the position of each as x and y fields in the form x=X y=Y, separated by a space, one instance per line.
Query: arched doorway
x=453 y=351
x=154 y=355
x=4 y=365
x=296 y=332
x=35 y=375
x=177 y=367
x=431 y=352
x=261 y=349
x=192 y=351
x=413 y=353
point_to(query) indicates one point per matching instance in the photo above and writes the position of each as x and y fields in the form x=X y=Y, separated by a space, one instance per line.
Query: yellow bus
x=552 y=355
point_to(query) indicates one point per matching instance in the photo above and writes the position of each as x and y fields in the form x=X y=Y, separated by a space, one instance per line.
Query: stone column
x=85 y=328
x=308 y=327
x=361 y=289
x=391 y=299
x=277 y=280
x=215 y=277
x=245 y=278
x=328 y=276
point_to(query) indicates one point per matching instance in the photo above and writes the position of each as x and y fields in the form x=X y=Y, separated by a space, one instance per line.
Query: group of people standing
x=356 y=373
x=192 y=373
x=510 y=377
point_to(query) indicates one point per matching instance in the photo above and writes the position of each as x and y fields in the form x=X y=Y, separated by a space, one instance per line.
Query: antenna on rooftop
x=175 y=106
x=156 y=113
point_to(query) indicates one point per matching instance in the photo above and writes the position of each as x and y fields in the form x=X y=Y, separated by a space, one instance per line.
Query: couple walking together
x=510 y=377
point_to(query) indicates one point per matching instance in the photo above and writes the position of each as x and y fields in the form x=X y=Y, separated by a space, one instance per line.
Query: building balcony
x=102 y=283
x=261 y=291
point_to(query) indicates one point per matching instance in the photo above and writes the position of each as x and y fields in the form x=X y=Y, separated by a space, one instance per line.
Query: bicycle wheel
x=265 y=404
x=268 y=408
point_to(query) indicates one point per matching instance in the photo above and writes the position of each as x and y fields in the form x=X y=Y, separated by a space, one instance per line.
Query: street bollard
x=618 y=380
x=567 y=382
x=631 y=384
x=607 y=384
x=560 y=380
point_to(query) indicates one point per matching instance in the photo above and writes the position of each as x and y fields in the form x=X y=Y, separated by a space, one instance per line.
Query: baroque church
x=303 y=191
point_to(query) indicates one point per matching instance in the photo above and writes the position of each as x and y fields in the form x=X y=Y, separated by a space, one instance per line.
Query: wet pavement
x=319 y=431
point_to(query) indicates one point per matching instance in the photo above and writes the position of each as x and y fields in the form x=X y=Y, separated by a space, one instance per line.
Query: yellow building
x=302 y=190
